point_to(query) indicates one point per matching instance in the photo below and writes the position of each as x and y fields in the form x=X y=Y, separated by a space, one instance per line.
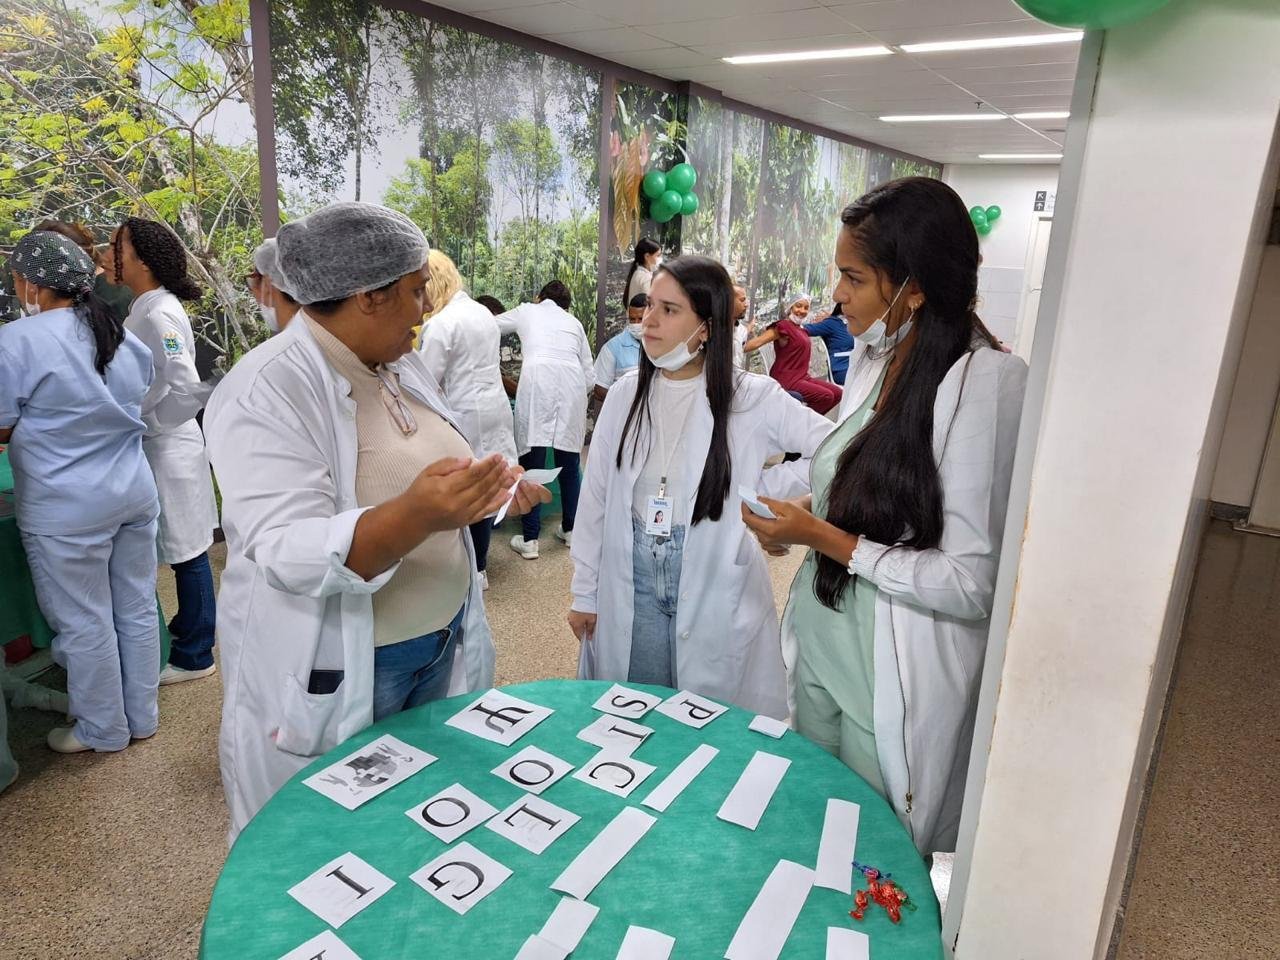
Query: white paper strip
x=749 y=797
x=603 y=853
x=326 y=945
x=624 y=702
x=568 y=923
x=769 y=726
x=665 y=793
x=844 y=944
x=835 y=852
x=767 y=924
x=539 y=948
x=641 y=943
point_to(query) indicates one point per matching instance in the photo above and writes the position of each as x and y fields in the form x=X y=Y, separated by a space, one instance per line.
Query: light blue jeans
x=8 y=767
x=656 y=563
x=412 y=672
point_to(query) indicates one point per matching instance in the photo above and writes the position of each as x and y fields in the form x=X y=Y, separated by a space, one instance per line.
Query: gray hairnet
x=348 y=248
x=266 y=260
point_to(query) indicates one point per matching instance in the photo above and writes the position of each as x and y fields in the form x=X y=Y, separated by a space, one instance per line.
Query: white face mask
x=676 y=358
x=268 y=315
x=877 y=336
x=635 y=329
x=28 y=309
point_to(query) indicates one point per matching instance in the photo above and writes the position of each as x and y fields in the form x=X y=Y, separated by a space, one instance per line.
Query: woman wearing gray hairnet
x=276 y=304
x=350 y=591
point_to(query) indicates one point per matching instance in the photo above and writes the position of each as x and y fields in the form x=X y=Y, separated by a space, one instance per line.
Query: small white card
x=540 y=477
x=499 y=717
x=370 y=771
x=533 y=823
x=845 y=944
x=538 y=948
x=624 y=702
x=603 y=853
x=673 y=784
x=749 y=797
x=837 y=847
x=340 y=889
x=764 y=930
x=658 y=512
x=769 y=726
x=461 y=877
x=612 y=772
x=326 y=946
x=568 y=923
x=641 y=943
x=691 y=709
x=451 y=813
x=616 y=734
x=752 y=500
x=533 y=769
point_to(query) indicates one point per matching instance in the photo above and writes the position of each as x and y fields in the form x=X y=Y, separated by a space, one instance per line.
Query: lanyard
x=668 y=455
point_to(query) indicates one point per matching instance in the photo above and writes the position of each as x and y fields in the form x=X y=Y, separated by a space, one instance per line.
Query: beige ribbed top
x=431 y=584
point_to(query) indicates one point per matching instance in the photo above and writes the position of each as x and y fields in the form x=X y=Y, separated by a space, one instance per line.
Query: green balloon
x=993 y=214
x=977 y=213
x=980 y=220
x=689 y=204
x=1090 y=14
x=654 y=184
x=682 y=177
x=660 y=212
x=672 y=200
x=983 y=228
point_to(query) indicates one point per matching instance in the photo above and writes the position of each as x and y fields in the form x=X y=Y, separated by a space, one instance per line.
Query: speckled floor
x=1207 y=878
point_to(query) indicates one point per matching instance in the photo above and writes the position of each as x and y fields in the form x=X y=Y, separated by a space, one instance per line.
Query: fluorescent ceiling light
x=842 y=53
x=1019 y=156
x=1043 y=115
x=941 y=117
x=994 y=43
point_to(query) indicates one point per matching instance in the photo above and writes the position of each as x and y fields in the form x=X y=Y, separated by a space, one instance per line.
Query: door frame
x=1036 y=223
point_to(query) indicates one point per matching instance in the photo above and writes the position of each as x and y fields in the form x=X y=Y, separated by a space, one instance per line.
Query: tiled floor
x=1207 y=878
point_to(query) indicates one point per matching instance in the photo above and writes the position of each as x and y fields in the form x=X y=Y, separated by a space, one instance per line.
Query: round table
x=692 y=876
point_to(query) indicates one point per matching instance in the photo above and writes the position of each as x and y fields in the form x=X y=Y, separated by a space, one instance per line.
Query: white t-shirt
x=670 y=404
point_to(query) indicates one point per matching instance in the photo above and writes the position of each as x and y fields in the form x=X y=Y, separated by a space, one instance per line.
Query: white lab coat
x=727 y=623
x=555 y=375
x=173 y=444
x=933 y=607
x=460 y=345
x=282 y=437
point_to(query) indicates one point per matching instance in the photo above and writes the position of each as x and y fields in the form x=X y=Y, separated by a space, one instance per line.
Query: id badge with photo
x=657 y=516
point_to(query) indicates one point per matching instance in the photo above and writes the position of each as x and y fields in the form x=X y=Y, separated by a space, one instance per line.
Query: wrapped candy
x=880 y=890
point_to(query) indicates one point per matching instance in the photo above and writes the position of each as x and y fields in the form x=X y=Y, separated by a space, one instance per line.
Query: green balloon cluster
x=671 y=193
x=1090 y=14
x=983 y=218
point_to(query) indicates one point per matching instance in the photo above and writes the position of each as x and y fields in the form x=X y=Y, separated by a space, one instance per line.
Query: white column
x=1159 y=262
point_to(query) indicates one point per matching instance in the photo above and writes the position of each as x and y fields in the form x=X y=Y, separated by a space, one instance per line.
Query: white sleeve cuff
x=865 y=557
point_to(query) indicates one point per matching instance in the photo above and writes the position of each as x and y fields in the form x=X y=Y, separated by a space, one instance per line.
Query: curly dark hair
x=160 y=249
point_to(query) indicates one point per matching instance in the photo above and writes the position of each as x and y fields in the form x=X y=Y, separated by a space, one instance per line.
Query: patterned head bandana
x=53 y=261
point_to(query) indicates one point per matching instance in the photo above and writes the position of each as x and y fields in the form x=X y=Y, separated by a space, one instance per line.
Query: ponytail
x=105 y=326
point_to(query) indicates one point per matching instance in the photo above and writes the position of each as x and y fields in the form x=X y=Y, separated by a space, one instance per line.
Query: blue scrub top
x=76 y=449
x=836 y=336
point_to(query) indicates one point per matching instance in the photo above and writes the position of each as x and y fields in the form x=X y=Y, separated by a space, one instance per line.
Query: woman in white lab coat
x=72 y=388
x=350 y=589
x=148 y=258
x=557 y=374
x=669 y=586
x=886 y=625
x=461 y=347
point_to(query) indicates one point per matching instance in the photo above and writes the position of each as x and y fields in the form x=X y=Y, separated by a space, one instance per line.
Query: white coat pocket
x=308 y=721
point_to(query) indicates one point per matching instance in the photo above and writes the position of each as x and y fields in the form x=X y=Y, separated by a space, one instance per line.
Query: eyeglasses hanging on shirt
x=394 y=402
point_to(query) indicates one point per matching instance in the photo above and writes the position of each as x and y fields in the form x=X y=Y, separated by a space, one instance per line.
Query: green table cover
x=19 y=612
x=692 y=876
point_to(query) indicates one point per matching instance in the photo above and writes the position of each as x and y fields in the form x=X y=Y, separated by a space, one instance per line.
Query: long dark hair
x=707 y=285
x=886 y=485
x=644 y=249
x=160 y=249
x=104 y=324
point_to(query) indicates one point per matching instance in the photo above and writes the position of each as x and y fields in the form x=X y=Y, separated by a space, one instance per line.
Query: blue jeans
x=194 y=623
x=655 y=577
x=411 y=672
x=569 y=480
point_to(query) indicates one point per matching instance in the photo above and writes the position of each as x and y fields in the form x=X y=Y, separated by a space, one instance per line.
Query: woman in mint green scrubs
x=886 y=628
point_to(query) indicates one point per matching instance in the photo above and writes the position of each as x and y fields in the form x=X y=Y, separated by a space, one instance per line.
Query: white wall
x=1144 y=338
x=1253 y=399
x=1012 y=187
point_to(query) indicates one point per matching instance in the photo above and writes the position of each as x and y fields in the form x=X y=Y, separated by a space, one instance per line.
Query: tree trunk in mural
x=428 y=144
x=757 y=222
x=725 y=180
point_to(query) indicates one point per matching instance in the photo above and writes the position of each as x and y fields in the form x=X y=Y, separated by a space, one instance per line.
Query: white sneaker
x=526 y=548
x=171 y=674
x=64 y=740
x=564 y=536
x=484 y=580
